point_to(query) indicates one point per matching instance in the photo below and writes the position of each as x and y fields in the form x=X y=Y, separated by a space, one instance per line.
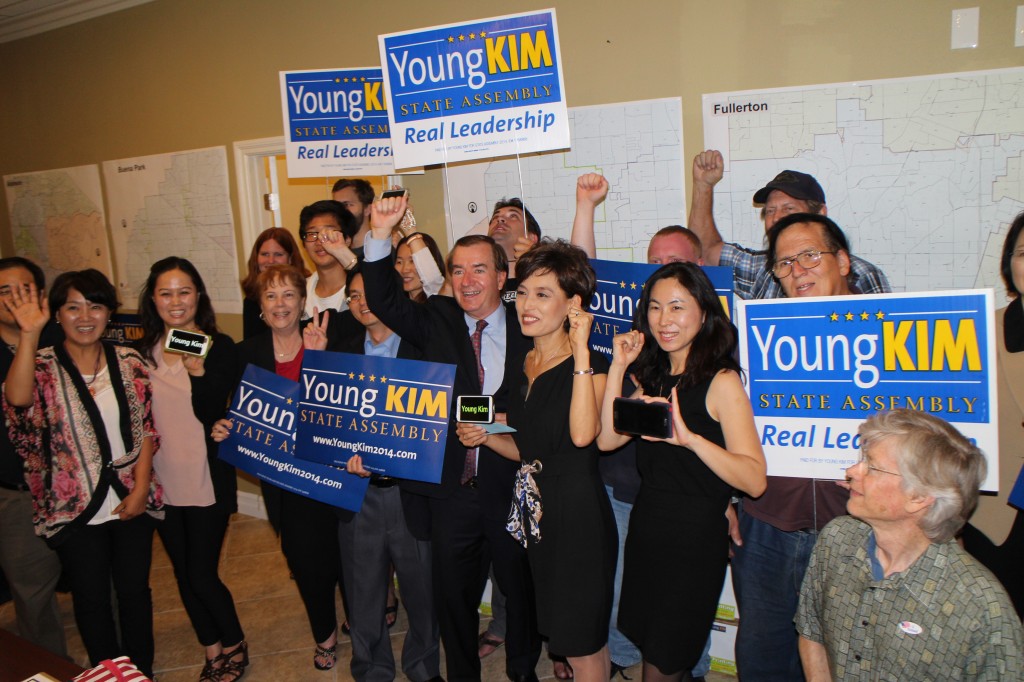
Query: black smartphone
x=639 y=418
x=392 y=193
x=474 y=409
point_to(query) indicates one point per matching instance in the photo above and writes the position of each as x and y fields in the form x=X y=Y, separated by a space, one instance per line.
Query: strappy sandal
x=234 y=670
x=391 y=613
x=325 y=658
x=209 y=672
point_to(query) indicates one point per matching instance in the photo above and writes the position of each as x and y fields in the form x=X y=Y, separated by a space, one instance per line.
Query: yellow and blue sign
x=262 y=443
x=817 y=368
x=392 y=412
x=336 y=123
x=619 y=287
x=475 y=90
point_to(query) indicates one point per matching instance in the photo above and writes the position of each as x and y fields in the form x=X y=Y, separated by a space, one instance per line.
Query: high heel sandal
x=209 y=672
x=325 y=657
x=233 y=670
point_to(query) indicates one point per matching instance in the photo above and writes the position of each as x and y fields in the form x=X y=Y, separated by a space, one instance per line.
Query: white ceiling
x=22 y=18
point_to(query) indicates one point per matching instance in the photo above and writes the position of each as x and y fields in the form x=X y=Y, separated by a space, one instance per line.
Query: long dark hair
x=152 y=326
x=435 y=252
x=1005 y=268
x=712 y=349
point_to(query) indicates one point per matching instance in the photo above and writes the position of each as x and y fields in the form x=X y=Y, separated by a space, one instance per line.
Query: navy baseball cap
x=794 y=183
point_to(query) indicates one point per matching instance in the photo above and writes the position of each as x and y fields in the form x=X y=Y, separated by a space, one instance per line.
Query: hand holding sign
x=195 y=365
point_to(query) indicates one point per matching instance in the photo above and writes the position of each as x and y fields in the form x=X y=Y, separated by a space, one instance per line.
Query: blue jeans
x=622 y=651
x=767 y=572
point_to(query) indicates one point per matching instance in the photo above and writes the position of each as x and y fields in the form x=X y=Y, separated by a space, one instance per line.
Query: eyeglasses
x=806 y=259
x=311 y=237
x=871 y=467
x=356 y=298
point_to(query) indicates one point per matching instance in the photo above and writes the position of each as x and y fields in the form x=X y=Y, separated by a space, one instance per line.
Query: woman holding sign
x=190 y=391
x=308 y=528
x=680 y=352
x=79 y=415
x=561 y=513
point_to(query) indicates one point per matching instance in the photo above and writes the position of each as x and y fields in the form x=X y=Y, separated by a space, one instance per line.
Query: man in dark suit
x=470 y=506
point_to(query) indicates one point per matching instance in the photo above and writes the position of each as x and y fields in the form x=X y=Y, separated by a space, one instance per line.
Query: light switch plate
x=965 y=28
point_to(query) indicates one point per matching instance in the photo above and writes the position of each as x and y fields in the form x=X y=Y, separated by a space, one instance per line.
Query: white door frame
x=252 y=185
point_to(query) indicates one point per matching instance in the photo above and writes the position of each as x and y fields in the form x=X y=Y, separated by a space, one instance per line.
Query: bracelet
x=588 y=370
x=355 y=261
x=413 y=237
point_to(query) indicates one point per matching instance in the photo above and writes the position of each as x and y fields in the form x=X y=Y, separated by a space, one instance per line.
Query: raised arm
x=587 y=389
x=625 y=349
x=591 y=189
x=426 y=266
x=31 y=311
x=708 y=167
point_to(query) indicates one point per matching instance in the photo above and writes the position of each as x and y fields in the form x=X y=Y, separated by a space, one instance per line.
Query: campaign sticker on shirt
x=911 y=628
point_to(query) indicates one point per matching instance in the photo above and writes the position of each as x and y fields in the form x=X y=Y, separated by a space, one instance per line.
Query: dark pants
x=193 y=537
x=464 y=542
x=309 y=539
x=118 y=551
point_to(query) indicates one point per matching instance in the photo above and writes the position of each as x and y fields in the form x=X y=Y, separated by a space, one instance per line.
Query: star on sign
x=450 y=39
x=372 y=378
x=472 y=36
x=361 y=376
x=632 y=285
x=383 y=380
x=834 y=317
x=351 y=375
x=461 y=37
x=879 y=315
x=289 y=401
x=622 y=285
x=865 y=316
x=483 y=34
x=849 y=317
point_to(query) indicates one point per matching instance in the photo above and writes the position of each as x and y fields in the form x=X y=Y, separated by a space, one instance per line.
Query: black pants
x=118 y=551
x=309 y=539
x=464 y=543
x=193 y=537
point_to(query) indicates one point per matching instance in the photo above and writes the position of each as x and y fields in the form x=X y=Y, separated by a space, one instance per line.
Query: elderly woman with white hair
x=889 y=594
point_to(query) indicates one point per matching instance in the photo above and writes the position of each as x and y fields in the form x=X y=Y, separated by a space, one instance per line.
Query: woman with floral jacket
x=79 y=414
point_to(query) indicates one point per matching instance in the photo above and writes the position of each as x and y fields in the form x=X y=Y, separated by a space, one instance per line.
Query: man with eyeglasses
x=789 y=192
x=889 y=593
x=808 y=255
x=325 y=289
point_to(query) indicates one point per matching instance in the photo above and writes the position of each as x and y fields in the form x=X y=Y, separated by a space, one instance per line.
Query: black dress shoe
x=529 y=677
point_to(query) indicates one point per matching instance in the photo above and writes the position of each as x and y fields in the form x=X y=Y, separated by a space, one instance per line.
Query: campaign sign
x=335 y=123
x=818 y=367
x=392 y=412
x=475 y=90
x=262 y=443
x=124 y=329
x=619 y=287
x=1017 y=494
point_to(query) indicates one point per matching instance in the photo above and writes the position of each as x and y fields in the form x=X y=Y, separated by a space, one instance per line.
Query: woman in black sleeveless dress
x=681 y=350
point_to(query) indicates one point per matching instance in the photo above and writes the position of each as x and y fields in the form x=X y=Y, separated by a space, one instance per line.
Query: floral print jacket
x=64 y=444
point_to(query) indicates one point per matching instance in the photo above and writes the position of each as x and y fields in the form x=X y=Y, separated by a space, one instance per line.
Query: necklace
x=288 y=352
x=95 y=372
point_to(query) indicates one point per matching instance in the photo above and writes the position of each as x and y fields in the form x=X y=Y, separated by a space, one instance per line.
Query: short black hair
x=363 y=189
x=835 y=238
x=91 y=283
x=532 y=226
x=346 y=221
x=1011 y=241
x=18 y=262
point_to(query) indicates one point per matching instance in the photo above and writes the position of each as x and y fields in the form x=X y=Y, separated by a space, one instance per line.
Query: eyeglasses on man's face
x=807 y=259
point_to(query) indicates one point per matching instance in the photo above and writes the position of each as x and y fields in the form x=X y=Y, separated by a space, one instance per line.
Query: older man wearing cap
x=889 y=594
x=790 y=192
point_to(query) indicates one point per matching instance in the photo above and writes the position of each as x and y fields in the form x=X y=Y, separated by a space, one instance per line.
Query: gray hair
x=934 y=459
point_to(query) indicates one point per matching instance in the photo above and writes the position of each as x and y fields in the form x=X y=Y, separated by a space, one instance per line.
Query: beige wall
x=185 y=74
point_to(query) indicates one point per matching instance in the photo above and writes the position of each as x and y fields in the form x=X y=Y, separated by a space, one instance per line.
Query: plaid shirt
x=752 y=279
x=944 y=618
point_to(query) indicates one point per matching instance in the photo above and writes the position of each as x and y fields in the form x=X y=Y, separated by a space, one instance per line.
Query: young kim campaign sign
x=619 y=287
x=818 y=367
x=262 y=443
x=475 y=90
x=392 y=412
x=336 y=123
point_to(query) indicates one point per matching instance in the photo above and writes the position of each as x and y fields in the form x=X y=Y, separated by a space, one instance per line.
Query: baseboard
x=251 y=504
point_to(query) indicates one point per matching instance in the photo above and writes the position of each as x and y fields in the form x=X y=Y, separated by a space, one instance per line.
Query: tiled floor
x=280 y=645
